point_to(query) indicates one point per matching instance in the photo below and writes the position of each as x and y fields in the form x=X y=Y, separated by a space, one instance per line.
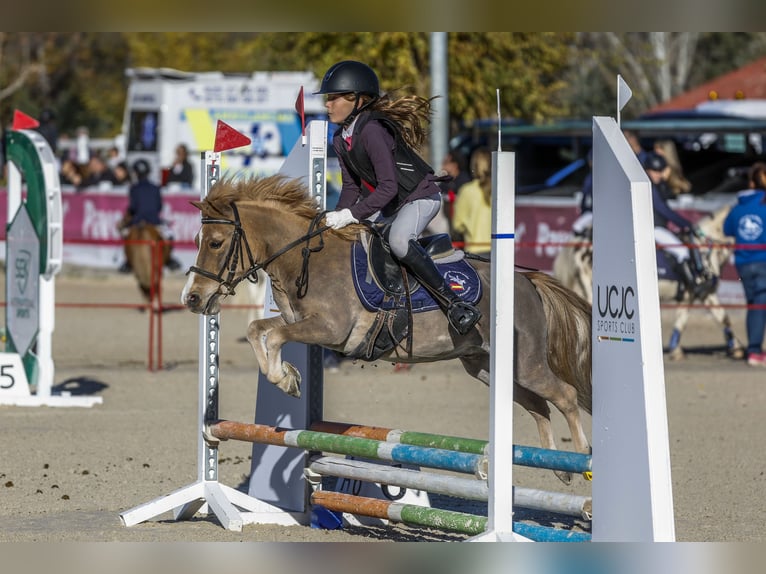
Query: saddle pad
x=463 y=279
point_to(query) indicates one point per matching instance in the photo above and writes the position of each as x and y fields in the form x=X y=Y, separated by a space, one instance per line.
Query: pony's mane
x=286 y=193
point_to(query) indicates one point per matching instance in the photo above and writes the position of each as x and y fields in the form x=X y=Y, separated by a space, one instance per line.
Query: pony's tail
x=568 y=319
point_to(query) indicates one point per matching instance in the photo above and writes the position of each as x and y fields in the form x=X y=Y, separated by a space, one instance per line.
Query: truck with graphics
x=167 y=107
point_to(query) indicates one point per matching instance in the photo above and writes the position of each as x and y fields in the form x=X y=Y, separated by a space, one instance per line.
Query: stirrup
x=462 y=316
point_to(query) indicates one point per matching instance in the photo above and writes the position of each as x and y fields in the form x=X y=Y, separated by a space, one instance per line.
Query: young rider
x=383 y=176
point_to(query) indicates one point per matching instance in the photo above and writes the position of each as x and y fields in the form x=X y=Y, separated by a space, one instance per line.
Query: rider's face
x=339 y=107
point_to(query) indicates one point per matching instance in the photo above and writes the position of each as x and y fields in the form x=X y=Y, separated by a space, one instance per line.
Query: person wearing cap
x=384 y=179
x=687 y=264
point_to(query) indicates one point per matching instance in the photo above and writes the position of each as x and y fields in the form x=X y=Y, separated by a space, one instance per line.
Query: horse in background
x=272 y=224
x=146 y=257
x=573 y=266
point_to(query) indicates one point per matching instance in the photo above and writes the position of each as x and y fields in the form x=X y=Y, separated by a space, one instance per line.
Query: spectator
x=121 y=174
x=473 y=207
x=453 y=165
x=677 y=183
x=181 y=171
x=688 y=265
x=72 y=174
x=746 y=222
x=97 y=172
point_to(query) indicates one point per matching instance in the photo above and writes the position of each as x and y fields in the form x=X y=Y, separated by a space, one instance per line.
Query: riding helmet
x=655 y=162
x=350 y=76
x=141 y=167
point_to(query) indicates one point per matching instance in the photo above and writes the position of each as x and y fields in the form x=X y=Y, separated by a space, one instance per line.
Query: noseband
x=239 y=246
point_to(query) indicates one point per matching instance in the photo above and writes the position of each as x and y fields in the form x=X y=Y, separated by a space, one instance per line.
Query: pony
x=573 y=266
x=271 y=223
x=145 y=257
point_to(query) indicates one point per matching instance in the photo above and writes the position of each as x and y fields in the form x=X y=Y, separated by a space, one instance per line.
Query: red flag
x=226 y=137
x=22 y=121
x=301 y=112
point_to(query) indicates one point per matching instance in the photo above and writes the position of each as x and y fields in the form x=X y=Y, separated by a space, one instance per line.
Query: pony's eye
x=216 y=244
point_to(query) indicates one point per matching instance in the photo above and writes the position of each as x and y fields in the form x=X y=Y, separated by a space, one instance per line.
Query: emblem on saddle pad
x=380 y=284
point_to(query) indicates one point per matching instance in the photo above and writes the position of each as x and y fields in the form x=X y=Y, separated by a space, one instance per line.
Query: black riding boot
x=462 y=316
x=695 y=279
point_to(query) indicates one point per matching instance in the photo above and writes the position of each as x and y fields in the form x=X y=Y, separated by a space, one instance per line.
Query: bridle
x=239 y=247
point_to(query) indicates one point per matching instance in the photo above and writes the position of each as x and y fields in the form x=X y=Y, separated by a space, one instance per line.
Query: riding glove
x=340 y=219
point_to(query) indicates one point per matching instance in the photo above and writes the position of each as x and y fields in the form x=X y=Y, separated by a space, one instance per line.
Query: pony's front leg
x=268 y=353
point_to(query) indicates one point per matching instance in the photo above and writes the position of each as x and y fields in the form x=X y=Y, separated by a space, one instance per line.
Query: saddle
x=387 y=288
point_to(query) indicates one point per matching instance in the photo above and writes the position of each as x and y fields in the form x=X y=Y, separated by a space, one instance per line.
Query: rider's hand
x=340 y=219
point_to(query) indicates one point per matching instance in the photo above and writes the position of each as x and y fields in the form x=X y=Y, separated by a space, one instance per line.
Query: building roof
x=747 y=82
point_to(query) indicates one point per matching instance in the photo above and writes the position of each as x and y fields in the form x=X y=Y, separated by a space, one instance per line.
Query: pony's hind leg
x=541 y=413
x=263 y=337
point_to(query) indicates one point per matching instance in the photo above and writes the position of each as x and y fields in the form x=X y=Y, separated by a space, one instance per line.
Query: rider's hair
x=757 y=175
x=411 y=112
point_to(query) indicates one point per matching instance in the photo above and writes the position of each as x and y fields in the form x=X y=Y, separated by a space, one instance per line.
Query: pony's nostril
x=192 y=299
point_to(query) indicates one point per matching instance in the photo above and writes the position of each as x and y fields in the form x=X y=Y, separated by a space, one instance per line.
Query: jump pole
x=34 y=246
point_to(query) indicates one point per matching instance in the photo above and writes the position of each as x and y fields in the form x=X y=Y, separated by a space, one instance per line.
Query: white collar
x=348 y=130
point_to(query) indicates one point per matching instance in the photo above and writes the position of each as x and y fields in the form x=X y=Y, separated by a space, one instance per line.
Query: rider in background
x=688 y=265
x=384 y=178
x=145 y=206
x=747 y=223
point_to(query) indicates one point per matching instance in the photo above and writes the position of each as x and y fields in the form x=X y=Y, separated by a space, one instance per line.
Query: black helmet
x=349 y=76
x=142 y=168
x=655 y=162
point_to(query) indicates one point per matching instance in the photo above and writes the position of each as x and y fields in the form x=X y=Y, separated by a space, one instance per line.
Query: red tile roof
x=747 y=82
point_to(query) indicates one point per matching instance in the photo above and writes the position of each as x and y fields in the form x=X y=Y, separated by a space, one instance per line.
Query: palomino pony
x=272 y=224
x=573 y=266
x=146 y=257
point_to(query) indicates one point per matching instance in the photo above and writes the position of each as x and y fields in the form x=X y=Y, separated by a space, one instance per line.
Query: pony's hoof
x=737 y=354
x=676 y=354
x=291 y=382
x=565 y=477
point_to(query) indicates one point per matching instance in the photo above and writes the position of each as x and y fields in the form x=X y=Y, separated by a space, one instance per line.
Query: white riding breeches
x=670 y=242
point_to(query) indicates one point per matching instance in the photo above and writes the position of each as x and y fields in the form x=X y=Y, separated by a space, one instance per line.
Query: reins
x=239 y=246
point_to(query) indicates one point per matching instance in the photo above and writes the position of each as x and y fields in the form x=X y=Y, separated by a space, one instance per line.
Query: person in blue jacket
x=746 y=222
x=383 y=176
x=687 y=263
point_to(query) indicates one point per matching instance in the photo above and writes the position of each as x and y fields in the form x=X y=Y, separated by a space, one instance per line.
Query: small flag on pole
x=624 y=93
x=226 y=137
x=299 y=107
x=22 y=121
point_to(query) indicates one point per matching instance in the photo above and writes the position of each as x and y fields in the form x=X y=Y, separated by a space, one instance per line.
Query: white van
x=167 y=107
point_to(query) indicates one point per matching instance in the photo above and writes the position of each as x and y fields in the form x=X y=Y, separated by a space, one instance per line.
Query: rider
x=688 y=263
x=145 y=205
x=384 y=178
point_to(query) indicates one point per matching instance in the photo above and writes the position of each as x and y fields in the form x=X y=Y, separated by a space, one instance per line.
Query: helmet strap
x=357 y=109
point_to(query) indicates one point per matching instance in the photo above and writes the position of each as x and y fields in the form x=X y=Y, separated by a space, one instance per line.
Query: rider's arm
x=664 y=209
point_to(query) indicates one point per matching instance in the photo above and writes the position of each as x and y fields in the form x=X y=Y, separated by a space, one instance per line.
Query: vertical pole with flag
x=299 y=107
x=624 y=93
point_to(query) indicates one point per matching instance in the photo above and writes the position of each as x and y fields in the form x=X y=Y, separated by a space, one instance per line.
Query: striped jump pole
x=468 y=488
x=436 y=518
x=522 y=455
x=351 y=446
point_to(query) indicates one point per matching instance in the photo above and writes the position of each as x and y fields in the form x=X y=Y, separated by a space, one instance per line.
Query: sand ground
x=67 y=473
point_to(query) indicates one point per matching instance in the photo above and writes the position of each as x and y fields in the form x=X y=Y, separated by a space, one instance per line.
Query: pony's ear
x=197 y=204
